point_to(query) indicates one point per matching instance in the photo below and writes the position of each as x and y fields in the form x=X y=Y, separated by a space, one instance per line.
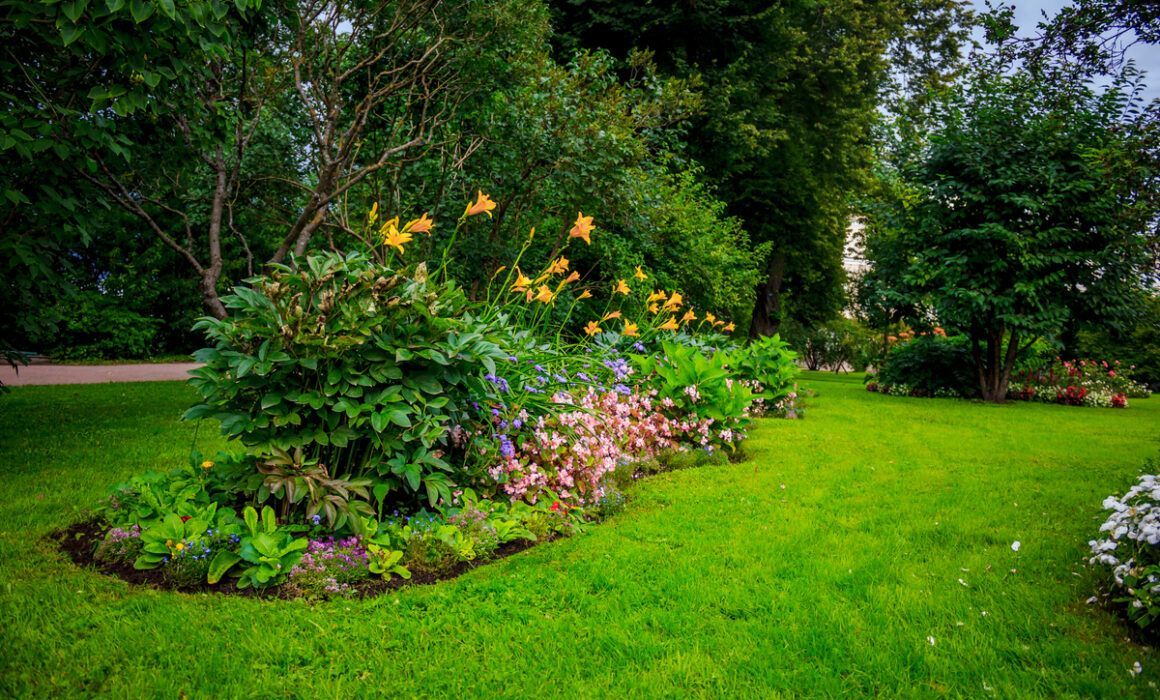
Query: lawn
x=863 y=550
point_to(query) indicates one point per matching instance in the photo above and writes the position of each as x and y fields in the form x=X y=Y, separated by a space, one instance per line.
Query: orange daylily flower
x=710 y=318
x=654 y=308
x=658 y=295
x=558 y=267
x=521 y=283
x=482 y=205
x=421 y=225
x=639 y=274
x=689 y=316
x=669 y=325
x=544 y=294
x=729 y=328
x=592 y=328
x=611 y=315
x=622 y=288
x=630 y=330
x=582 y=228
x=586 y=294
x=572 y=277
x=393 y=237
x=674 y=302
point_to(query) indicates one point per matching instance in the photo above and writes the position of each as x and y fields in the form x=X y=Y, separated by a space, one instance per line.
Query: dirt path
x=95 y=374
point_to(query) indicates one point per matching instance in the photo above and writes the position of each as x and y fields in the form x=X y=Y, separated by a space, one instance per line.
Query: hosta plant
x=267 y=553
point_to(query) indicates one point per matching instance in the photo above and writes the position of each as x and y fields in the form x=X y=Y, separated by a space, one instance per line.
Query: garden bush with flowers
x=1128 y=552
x=388 y=426
x=1082 y=382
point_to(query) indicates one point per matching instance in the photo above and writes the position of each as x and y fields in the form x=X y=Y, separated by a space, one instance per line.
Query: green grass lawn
x=825 y=565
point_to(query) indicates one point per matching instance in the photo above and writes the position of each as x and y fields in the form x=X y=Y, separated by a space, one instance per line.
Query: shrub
x=346 y=370
x=1128 y=554
x=96 y=327
x=836 y=344
x=928 y=365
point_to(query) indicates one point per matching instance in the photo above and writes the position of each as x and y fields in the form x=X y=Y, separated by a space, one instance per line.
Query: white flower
x=1136 y=669
x=1016 y=545
x=931 y=640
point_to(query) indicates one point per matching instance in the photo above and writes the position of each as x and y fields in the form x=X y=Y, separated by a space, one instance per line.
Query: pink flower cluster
x=570 y=453
x=1076 y=383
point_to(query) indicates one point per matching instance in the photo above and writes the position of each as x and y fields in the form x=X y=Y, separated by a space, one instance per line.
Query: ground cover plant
x=820 y=566
x=382 y=421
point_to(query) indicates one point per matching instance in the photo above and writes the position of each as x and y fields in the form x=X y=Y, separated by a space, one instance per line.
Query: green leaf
x=400 y=418
x=74 y=10
x=70 y=33
x=222 y=562
x=140 y=10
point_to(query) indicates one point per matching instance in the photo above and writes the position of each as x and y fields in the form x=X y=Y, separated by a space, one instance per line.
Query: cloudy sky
x=1028 y=13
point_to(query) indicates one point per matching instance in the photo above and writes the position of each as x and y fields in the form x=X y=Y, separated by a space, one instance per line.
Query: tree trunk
x=994 y=367
x=767 y=310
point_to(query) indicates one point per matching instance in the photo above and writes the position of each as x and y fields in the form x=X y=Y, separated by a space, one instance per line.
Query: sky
x=1029 y=13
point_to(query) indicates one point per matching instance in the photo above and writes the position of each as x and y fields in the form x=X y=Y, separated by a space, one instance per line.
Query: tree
x=1027 y=213
x=791 y=90
x=191 y=116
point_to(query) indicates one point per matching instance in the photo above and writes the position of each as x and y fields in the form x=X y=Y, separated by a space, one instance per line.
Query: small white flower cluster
x=1098 y=398
x=1131 y=549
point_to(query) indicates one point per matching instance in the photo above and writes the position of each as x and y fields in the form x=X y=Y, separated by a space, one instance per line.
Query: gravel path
x=95 y=374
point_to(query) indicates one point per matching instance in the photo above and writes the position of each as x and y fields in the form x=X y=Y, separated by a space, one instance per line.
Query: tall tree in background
x=1021 y=212
x=792 y=90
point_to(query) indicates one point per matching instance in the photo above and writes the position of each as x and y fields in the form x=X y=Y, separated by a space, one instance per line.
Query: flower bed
x=1078 y=383
x=388 y=427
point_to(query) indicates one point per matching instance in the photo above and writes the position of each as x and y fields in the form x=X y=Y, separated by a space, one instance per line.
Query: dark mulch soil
x=79 y=542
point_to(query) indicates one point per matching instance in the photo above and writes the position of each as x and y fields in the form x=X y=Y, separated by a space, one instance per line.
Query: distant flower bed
x=387 y=426
x=1078 y=383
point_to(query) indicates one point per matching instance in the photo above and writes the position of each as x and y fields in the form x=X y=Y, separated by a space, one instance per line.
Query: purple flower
x=499 y=382
x=506 y=448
